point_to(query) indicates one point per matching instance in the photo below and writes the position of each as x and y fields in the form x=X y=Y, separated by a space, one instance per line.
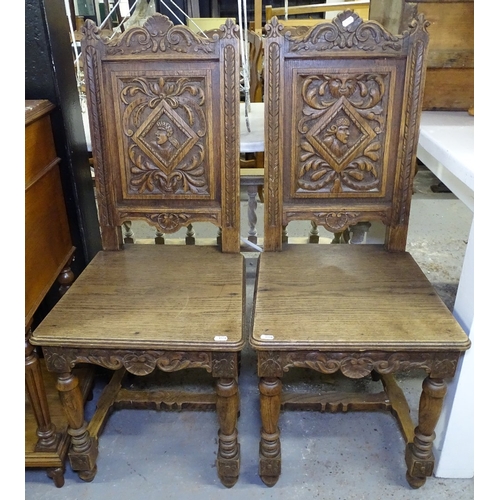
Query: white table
x=252 y=141
x=446 y=147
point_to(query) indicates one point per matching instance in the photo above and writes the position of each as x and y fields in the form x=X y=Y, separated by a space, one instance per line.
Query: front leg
x=270 y=446
x=419 y=456
x=228 y=455
x=83 y=452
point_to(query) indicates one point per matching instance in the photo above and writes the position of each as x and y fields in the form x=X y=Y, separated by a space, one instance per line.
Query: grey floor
x=150 y=454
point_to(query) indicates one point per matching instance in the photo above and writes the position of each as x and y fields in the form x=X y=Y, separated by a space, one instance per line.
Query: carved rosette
x=340 y=129
x=336 y=221
x=357 y=365
x=164 y=131
x=137 y=362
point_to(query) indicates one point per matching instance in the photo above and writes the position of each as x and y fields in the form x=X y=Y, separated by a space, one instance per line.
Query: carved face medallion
x=340 y=127
x=164 y=127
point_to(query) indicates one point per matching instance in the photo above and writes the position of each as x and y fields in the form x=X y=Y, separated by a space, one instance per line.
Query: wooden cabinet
x=450 y=63
x=48 y=253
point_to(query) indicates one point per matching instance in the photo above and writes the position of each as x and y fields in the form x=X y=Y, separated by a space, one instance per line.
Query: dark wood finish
x=48 y=255
x=343 y=102
x=450 y=62
x=163 y=109
x=49 y=74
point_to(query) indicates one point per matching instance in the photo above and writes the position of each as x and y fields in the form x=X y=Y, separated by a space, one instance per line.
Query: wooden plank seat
x=343 y=102
x=163 y=109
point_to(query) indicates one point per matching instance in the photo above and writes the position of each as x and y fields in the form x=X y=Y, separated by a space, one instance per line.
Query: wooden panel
x=450 y=59
x=39 y=148
x=449 y=89
x=48 y=243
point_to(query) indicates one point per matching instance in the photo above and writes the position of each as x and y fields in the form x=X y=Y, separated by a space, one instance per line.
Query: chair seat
x=152 y=297
x=352 y=297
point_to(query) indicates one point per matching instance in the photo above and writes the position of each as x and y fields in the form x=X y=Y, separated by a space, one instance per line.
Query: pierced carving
x=346 y=31
x=336 y=221
x=167 y=222
x=340 y=132
x=159 y=34
x=164 y=125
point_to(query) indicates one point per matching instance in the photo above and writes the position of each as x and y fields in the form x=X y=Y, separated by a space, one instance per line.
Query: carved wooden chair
x=163 y=106
x=343 y=103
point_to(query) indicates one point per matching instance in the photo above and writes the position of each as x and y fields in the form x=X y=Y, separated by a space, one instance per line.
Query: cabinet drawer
x=39 y=148
x=48 y=243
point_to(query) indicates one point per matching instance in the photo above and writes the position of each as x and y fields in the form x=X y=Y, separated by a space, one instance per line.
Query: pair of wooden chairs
x=342 y=117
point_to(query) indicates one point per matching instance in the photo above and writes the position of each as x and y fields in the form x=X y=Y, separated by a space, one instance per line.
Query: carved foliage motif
x=346 y=31
x=340 y=132
x=159 y=34
x=164 y=125
x=357 y=365
x=136 y=362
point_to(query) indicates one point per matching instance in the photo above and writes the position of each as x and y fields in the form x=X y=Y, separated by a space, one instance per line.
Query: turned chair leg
x=228 y=455
x=270 y=446
x=419 y=456
x=83 y=452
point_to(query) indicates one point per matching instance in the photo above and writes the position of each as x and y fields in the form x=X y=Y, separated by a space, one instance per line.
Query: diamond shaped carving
x=165 y=137
x=340 y=134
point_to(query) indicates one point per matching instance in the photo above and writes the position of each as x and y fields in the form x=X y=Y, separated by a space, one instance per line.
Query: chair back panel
x=343 y=102
x=164 y=117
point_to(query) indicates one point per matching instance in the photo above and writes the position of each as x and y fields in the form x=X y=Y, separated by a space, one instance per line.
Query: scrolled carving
x=164 y=124
x=159 y=34
x=138 y=362
x=358 y=365
x=167 y=222
x=346 y=31
x=340 y=132
x=337 y=221
x=229 y=29
x=141 y=363
x=175 y=361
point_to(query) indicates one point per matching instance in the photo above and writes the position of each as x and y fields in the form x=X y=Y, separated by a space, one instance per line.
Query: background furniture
x=317 y=12
x=48 y=255
x=164 y=126
x=343 y=105
x=450 y=63
x=446 y=146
